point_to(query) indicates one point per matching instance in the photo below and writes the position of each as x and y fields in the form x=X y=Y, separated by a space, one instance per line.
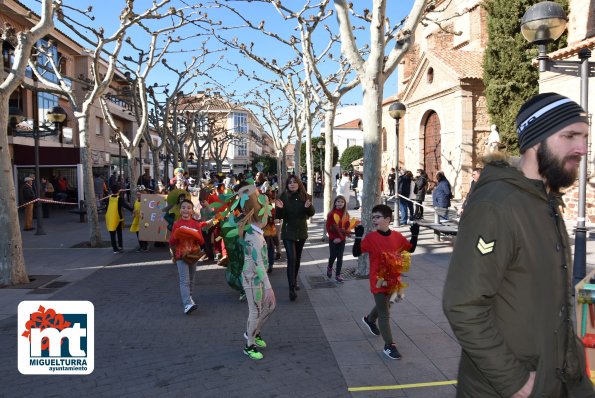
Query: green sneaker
x=258 y=341
x=253 y=353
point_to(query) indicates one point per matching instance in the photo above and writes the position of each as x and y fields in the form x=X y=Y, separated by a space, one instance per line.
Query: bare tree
x=372 y=73
x=104 y=64
x=142 y=65
x=12 y=262
x=292 y=80
x=277 y=119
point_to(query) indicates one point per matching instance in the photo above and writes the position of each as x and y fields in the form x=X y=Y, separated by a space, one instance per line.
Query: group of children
x=185 y=242
x=384 y=247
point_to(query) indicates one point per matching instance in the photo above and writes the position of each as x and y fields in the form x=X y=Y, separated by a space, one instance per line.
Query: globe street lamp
x=543 y=23
x=397 y=111
x=56 y=116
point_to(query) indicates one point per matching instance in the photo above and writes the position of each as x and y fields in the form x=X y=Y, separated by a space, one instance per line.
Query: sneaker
x=258 y=341
x=189 y=308
x=329 y=272
x=339 y=279
x=371 y=326
x=391 y=351
x=242 y=297
x=118 y=251
x=253 y=353
x=278 y=256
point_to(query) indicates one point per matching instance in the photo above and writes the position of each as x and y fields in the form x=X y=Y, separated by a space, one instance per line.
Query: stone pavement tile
x=406 y=307
x=355 y=352
x=415 y=370
x=145 y=346
x=436 y=345
x=414 y=324
x=448 y=366
x=445 y=326
x=432 y=392
x=343 y=331
x=370 y=376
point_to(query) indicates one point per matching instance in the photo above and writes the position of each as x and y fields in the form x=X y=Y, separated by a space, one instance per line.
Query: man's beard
x=552 y=168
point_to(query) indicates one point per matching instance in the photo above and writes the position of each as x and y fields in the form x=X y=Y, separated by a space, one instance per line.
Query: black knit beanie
x=544 y=115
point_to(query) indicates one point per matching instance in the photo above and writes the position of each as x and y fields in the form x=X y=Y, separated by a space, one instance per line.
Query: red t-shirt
x=185 y=246
x=375 y=245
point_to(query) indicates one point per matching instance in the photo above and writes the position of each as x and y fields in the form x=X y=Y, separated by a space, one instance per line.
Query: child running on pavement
x=255 y=281
x=185 y=241
x=337 y=223
x=383 y=246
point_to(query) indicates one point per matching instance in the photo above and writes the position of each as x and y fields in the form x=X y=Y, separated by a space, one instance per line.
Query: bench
x=81 y=211
x=446 y=228
x=449 y=228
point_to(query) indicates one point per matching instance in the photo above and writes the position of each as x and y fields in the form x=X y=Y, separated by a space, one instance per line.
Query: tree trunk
x=297 y=159
x=309 y=160
x=12 y=261
x=89 y=189
x=132 y=173
x=282 y=167
x=199 y=166
x=329 y=122
x=371 y=119
x=156 y=172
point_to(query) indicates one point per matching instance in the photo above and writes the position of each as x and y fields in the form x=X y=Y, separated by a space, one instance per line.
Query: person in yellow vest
x=143 y=245
x=114 y=218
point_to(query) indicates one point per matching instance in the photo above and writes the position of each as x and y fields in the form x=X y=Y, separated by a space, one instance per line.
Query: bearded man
x=508 y=291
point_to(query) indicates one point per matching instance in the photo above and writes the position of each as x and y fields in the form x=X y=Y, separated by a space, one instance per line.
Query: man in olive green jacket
x=508 y=290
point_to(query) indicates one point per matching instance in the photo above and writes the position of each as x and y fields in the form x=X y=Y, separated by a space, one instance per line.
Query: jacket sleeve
x=484 y=249
x=280 y=212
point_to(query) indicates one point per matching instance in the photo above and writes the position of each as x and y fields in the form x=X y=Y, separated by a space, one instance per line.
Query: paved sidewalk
x=318 y=347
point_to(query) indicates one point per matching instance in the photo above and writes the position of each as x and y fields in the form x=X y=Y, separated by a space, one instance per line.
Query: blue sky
x=107 y=17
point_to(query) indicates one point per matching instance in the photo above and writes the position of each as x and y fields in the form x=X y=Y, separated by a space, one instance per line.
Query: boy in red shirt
x=382 y=246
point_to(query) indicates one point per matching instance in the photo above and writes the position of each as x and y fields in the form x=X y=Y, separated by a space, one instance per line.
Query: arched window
x=384 y=144
x=430 y=75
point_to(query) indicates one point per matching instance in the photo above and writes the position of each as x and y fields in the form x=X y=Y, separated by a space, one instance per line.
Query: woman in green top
x=294 y=207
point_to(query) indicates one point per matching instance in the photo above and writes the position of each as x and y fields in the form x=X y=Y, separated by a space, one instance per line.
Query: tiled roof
x=466 y=64
x=392 y=98
x=572 y=49
x=353 y=124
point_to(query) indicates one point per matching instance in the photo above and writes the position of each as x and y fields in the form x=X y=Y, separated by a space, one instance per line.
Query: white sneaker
x=189 y=308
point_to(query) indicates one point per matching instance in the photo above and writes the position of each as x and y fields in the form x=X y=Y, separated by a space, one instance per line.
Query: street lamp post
x=57 y=116
x=397 y=111
x=543 y=23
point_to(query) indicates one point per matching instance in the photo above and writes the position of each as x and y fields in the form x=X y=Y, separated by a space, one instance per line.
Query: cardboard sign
x=152 y=227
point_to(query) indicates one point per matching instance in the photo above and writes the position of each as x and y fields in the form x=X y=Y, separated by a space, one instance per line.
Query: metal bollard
x=82 y=211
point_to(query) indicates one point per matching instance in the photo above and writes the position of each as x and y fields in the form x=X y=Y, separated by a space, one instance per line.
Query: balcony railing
x=119 y=101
